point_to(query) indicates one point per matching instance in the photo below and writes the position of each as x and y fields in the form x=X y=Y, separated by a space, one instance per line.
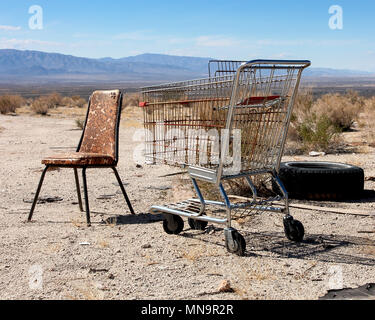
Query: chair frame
x=84 y=169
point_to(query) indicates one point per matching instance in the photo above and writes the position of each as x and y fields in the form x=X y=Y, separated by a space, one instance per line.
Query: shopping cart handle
x=143 y=104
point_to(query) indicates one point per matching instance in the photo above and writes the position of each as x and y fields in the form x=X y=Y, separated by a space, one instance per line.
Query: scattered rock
x=85 y=244
x=106 y=197
x=111 y=276
x=225 y=286
x=317 y=154
x=146 y=246
x=162 y=188
x=93 y=270
x=138 y=166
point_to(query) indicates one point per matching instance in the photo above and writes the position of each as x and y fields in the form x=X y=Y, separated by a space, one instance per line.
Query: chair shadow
x=140 y=218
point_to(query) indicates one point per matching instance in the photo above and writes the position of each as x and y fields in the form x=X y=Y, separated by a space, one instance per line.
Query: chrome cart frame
x=243 y=109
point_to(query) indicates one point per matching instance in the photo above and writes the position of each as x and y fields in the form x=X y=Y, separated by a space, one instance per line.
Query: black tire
x=197 y=224
x=321 y=180
x=239 y=244
x=294 y=229
x=173 y=224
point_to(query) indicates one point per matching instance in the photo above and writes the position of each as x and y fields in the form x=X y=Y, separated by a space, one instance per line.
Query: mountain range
x=32 y=66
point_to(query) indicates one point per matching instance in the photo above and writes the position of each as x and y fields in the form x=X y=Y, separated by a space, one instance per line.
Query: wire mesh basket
x=230 y=125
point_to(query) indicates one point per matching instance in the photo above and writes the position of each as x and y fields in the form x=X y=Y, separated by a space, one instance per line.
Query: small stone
x=225 y=286
x=146 y=246
x=317 y=154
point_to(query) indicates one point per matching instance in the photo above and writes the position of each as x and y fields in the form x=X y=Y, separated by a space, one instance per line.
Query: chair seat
x=79 y=159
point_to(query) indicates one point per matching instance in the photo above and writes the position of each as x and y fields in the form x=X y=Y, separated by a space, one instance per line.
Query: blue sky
x=236 y=29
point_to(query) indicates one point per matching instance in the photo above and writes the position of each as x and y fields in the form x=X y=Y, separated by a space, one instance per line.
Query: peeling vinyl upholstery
x=98 y=145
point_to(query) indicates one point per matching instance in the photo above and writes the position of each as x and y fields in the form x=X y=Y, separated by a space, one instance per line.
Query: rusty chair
x=98 y=147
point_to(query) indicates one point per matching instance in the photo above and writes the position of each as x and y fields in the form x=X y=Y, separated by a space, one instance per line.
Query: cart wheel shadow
x=324 y=248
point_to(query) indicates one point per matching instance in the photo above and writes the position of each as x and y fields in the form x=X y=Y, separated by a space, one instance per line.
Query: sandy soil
x=58 y=257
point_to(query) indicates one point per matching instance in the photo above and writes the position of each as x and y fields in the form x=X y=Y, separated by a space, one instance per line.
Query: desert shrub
x=317 y=132
x=367 y=120
x=311 y=128
x=131 y=100
x=42 y=105
x=341 y=110
x=67 y=102
x=80 y=103
x=9 y=103
x=55 y=99
x=74 y=101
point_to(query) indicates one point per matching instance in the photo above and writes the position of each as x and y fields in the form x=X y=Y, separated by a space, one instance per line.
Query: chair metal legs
x=37 y=193
x=123 y=190
x=87 y=207
x=86 y=197
x=78 y=190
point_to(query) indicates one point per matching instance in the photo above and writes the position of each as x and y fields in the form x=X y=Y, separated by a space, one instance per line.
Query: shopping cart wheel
x=173 y=224
x=197 y=224
x=294 y=229
x=234 y=241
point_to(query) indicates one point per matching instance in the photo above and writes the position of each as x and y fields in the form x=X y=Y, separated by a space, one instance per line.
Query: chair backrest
x=100 y=133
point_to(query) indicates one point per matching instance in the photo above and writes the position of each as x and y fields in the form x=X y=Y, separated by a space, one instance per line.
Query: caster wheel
x=197 y=224
x=173 y=224
x=235 y=242
x=294 y=229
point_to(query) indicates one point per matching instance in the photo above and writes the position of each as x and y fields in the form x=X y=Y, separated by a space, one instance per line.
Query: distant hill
x=33 y=66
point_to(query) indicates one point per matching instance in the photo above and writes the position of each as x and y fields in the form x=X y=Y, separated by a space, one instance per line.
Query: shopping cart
x=232 y=125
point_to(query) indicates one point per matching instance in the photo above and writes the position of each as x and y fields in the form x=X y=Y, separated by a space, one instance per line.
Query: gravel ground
x=58 y=257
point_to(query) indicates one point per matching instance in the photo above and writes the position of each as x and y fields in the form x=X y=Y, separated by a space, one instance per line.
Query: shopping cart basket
x=232 y=125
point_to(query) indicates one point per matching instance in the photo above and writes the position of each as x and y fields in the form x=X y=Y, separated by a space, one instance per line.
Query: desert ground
x=122 y=256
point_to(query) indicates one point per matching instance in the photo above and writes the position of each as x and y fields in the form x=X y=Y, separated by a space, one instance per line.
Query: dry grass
x=341 y=110
x=367 y=120
x=85 y=291
x=131 y=100
x=197 y=251
x=246 y=277
x=55 y=98
x=73 y=102
x=9 y=103
x=103 y=243
x=42 y=105
x=80 y=123
x=317 y=124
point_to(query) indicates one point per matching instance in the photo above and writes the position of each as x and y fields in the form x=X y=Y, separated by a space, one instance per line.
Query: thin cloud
x=26 y=43
x=9 y=28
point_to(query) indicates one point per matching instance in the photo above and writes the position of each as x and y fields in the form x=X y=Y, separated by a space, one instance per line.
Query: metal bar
x=227 y=203
x=86 y=197
x=160 y=209
x=201 y=199
x=37 y=193
x=283 y=191
x=123 y=190
x=78 y=190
